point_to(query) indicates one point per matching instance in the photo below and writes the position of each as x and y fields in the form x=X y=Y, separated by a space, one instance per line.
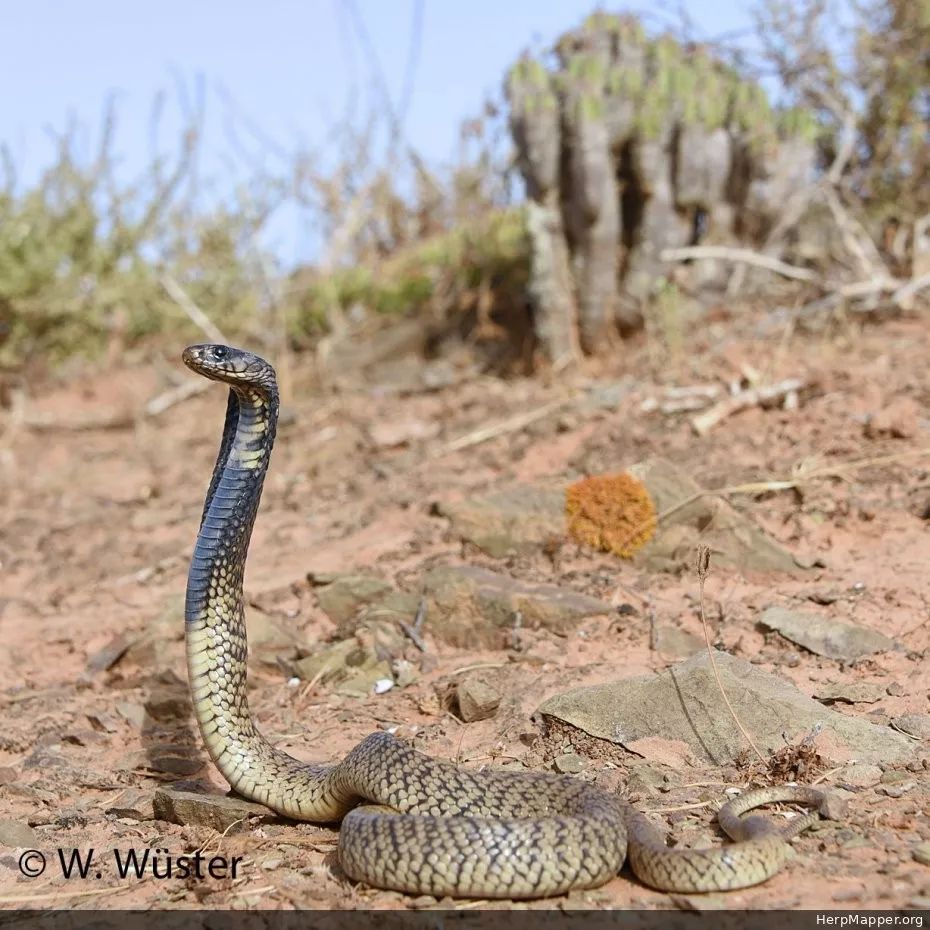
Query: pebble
x=269 y=865
x=847 y=894
x=569 y=764
x=861 y=775
x=921 y=853
x=477 y=700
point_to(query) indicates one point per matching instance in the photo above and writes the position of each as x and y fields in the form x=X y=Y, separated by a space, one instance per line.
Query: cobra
x=409 y=822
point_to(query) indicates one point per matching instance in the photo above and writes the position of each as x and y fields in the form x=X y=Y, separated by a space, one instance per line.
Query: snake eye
x=219 y=353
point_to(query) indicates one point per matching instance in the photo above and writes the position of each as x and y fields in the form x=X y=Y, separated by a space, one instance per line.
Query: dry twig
x=501 y=428
x=752 y=397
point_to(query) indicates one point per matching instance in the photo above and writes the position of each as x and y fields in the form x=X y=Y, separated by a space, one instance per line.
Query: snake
x=409 y=822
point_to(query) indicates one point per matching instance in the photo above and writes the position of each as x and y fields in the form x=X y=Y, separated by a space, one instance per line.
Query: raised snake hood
x=685 y=704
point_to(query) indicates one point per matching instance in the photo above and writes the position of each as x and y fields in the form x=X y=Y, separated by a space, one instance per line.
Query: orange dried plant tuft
x=611 y=512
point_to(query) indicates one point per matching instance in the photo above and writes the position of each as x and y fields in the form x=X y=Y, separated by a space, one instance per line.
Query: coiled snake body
x=424 y=826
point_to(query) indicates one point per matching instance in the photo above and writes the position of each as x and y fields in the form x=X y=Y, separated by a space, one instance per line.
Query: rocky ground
x=410 y=571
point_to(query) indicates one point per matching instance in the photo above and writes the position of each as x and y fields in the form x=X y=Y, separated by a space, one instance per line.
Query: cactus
x=621 y=145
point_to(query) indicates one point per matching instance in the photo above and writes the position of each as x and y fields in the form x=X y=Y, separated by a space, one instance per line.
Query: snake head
x=235 y=367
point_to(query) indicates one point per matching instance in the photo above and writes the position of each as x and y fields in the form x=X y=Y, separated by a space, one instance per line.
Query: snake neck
x=232 y=498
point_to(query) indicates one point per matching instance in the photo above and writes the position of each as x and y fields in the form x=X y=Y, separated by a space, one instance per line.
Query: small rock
x=477 y=700
x=218 y=812
x=470 y=606
x=269 y=865
x=342 y=597
x=133 y=714
x=133 y=803
x=847 y=894
x=16 y=834
x=808 y=560
x=404 y=672
x=41 y=819
x=168 y=705
x=520 y=519
x=861 y=775
x=169 y=758
x=695 y=518
x=894 y=777
x=83 y=737
x=105 y=658
x=389 y=434
x=825 y=596
x=676 y=643
x=824 y=636
x=921 y=853
x=899 y=419
x=835 y=805
x=914 y=725
x=851 y=692
x=895 y=791
x=568 y=763
x=895 y=689
x=382 y=685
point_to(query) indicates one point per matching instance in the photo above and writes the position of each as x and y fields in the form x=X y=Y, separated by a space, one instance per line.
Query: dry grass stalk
x=804 y=474
x=703 y=567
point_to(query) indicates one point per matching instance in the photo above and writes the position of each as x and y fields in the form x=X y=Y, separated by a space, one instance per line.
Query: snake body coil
x=409 y=822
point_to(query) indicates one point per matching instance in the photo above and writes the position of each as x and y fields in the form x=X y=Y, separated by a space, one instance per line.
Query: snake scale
x=409 y=822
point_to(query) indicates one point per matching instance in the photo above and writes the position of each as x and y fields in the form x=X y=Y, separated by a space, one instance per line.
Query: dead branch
x=193 y=312
x=744 y=256
x=501 y=428
x=750 y=398
x=106 y=419
x=176 y=395
x=857 y=241
x=903 y=297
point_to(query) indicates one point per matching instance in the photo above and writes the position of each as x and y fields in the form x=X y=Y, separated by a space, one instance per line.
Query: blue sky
x=294 y=69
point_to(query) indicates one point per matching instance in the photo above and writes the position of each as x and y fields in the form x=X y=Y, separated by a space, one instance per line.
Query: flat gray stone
x=861 y=775
x=694 y=519
x=520 y=519
x=218 y=812
x=850 y=692
x=825 y=636
x=134 y=803
x=16 y=834
x=345 y=595
x=471 y=606
x=684 y=703
x=917 y=725
x=568 y=763
x=921 y=853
